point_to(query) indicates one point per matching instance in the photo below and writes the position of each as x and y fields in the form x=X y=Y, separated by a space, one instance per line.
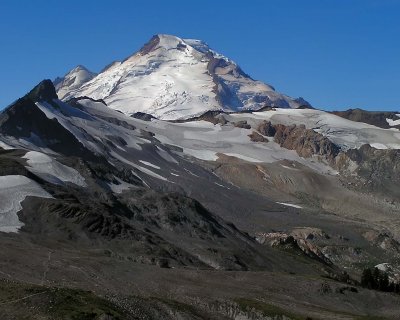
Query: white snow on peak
x=199 y=45
x=175 y=78
x=13 y=190
x=169 y=42
x=203 y=47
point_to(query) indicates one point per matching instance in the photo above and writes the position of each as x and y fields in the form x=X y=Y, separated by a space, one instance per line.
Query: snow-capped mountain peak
x=74 y=79
x=175 y=78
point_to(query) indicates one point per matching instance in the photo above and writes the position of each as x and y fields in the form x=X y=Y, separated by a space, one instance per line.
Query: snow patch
x=149 y=164
x=13 y=190
x=121 y=186
x=51 y=170
x=290 y=205
x=377 y=145
x=243 y=157
x=150 y=173
x=5 y=146
x=206 y=155
x=392 y=122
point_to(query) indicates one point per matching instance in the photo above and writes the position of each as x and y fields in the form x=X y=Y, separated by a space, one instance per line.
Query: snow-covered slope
x=174 y=78
x=13 y=190
x=51 y=170
x=73 y=80
x=203 y=140
x=345 y=133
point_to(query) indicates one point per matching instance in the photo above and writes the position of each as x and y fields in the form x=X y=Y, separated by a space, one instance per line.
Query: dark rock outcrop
x=242 y=124
x=293 y=242
x=75 y=101
x=304 y=104
x=23 y=119
x=266 y=128
x=256 y=137
x=142 y=116
x=376 y=118
x=150 y=45
x=305 y=141
x=44 y=91
x=213 y=116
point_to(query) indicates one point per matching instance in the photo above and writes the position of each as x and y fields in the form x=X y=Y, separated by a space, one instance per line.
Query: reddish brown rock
x=306 y=142
x=256 y=137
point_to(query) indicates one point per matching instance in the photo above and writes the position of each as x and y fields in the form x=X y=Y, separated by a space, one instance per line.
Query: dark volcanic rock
x=242 y=124
x=266 y=128
x=142 y=116
x=266 y=108
x=256 y=137
x=304 y=104
x=9 y=166
x=75 y=101
x=376 y=118
x=44 y=91
x=172 y=211
x=151 y=45
x=213 y=116
x=23 y=119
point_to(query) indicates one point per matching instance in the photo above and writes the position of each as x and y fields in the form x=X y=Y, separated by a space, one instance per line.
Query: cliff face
x=306 y=142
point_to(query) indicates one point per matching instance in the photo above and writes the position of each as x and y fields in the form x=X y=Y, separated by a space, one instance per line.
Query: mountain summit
x=173 y=78
x=73 y=80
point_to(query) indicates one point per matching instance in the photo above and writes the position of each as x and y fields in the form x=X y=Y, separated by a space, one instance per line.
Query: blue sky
x=335 y=53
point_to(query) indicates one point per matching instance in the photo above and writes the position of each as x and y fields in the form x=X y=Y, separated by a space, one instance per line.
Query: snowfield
x=51 y=170
x=96 y=125
x=13 y=190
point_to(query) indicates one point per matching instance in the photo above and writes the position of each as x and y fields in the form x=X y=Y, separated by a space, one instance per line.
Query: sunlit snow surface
x=174 y=81
x=343 y=132
x=51 y=170
x=73 y=80
x=13 y=190
x=206 y=141
x=392 y=122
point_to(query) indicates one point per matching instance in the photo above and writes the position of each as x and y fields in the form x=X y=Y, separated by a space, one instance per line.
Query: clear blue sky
x=335 y=53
